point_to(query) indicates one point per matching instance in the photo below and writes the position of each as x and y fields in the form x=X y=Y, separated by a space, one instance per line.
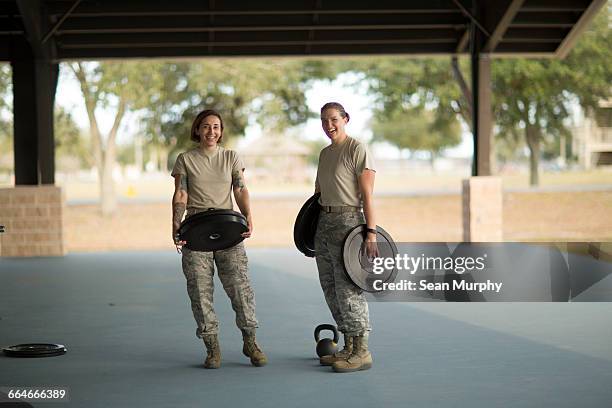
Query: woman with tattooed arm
x=204 y=178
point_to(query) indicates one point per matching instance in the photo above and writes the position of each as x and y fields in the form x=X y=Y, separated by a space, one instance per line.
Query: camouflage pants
x=232 y=265
x=346 y=301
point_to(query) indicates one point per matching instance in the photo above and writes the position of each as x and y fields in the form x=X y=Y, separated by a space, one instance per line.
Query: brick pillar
x=482 y=209
x=33 y=221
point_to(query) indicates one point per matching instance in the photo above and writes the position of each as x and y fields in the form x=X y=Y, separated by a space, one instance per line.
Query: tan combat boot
x=252 y=350
x=340 y=355
x=360 y=358
x=213 y=351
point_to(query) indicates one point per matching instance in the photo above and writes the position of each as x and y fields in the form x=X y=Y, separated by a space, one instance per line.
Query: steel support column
x=481 y=97
x=34 y=85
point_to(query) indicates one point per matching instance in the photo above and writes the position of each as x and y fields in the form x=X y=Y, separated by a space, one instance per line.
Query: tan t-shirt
x=338 y=172
x=209 y=177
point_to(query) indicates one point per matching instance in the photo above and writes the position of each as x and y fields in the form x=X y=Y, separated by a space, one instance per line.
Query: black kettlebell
x=326 y=347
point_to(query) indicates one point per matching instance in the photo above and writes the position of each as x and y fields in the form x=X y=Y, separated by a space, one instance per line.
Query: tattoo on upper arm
x=237 y=180
x=183 y=185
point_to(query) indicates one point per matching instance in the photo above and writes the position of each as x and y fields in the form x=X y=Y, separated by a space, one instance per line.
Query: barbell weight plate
x=305 y=226
x=213 y=230
x=358 y=267
x=35 y=350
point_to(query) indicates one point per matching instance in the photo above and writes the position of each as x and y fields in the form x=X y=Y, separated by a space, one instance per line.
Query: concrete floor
x=126 y=322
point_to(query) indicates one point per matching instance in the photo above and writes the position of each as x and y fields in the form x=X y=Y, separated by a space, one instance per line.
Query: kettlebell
x=326 y=346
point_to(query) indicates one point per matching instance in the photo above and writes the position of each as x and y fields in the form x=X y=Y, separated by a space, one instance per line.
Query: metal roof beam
x=535 y=34
x=502 y=25
x=463 y=42
x=260 y=28
x=545 y=19
x=472 y=18
x=257 y=43
x=577 y=29
x=257 y=51
x=116 y=8
x=31 y=16
x=424 y=36
x=11 y=25
x=529 y=47
x=60 y=21
x=555 y=5
x=198 y=23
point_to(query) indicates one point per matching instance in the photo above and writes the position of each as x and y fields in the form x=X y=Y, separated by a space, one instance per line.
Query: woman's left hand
x=250 y=226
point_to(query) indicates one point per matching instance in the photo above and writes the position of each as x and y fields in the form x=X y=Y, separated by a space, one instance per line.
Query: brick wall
x=33 y=221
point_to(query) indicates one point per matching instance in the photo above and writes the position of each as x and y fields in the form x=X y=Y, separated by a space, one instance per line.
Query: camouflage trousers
x=232 y=266
x=346 y=301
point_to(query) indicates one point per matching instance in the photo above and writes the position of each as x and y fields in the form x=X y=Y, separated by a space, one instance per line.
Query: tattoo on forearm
x=237 y=180
x=183 y=185
x=178 y=209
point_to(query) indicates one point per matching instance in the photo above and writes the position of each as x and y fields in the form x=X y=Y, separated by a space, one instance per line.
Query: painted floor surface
x=126 y=321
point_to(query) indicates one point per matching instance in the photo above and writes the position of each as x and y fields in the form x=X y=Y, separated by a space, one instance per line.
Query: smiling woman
x=204 y=179
x=345 y=179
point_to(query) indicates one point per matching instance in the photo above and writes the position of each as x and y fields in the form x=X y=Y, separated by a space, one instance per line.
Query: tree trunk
x=466 y=112
x=153 y=158
x=138 y=152
x=562 y=151
x=108 y=200
x=532 y=133
x=163 y=159
x=104 y=153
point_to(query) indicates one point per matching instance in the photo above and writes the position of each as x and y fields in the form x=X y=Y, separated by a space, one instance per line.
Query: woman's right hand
x=248 y=233
x=177 y=241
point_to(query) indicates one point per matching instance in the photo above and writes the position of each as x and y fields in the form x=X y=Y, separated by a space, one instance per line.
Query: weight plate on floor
x=305 y=226
x=213 y=230
x=358 y=267
x=35 y=350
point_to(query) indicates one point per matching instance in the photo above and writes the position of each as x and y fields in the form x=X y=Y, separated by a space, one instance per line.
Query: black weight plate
x=197 y=218
x=213 y=230
x=356 y=264
x=305 y=226
x=35 y=350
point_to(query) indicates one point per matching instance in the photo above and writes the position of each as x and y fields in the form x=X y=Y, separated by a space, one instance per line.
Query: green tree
x=532 y=98
x=71 y=146
x=169 y=95
x=69 y=140
x=270 y=92
x=420 y=104
x=416 y=129
x=165 y=105
x=401 y=83
x=125 y=154
x=6 y=122
x=124 y=86
x=535 y=96
x=314 y=150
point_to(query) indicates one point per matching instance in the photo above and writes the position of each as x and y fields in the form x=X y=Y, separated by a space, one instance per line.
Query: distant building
x=592 y=142
x=275 y=157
